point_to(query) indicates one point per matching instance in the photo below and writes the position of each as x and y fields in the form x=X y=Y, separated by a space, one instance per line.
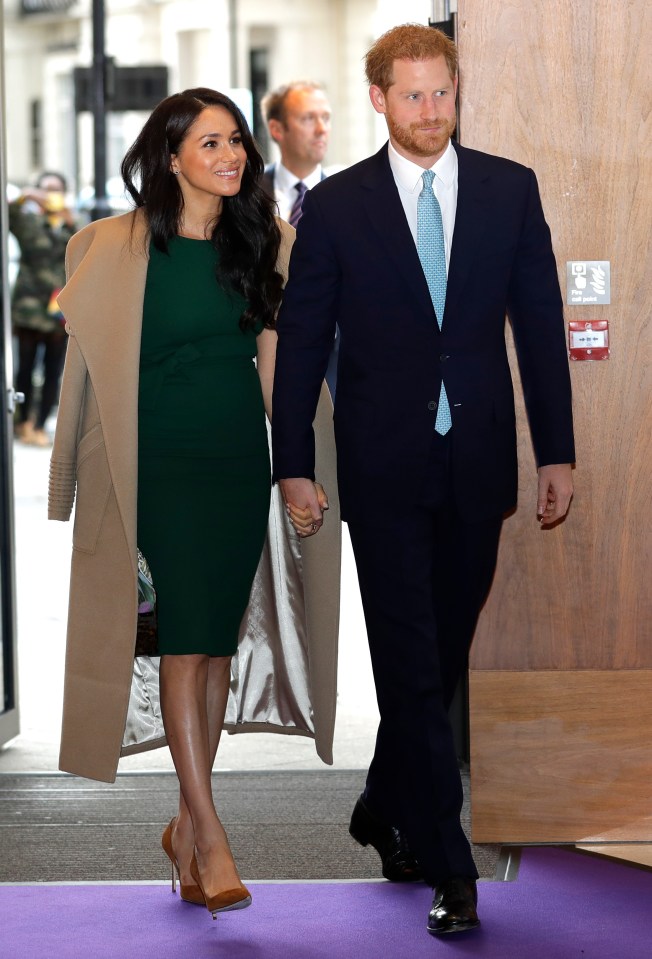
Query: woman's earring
x=176 y=172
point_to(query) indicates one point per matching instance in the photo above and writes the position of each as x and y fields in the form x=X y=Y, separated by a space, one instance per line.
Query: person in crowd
x=298 y=117
x=13 y=248
x=42 y=223
x=418 y=253
x=162 y=433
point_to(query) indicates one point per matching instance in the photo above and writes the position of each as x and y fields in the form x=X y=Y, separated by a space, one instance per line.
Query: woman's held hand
x=305 y=502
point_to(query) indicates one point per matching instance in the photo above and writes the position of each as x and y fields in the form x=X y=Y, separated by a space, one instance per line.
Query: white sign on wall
x=588 y=281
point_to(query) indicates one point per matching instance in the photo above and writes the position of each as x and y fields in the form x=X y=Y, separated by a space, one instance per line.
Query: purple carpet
x=562 y=906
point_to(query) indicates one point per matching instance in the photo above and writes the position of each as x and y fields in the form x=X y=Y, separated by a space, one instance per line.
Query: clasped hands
x=305 y=502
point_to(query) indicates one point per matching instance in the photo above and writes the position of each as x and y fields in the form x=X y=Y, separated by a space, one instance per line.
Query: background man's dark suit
x=355 y=264
x=267 y=179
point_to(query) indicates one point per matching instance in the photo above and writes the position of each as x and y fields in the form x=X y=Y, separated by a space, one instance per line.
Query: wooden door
x=561 y=667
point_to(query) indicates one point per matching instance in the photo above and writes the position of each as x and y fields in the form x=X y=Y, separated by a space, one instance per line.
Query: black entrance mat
x=281 y=825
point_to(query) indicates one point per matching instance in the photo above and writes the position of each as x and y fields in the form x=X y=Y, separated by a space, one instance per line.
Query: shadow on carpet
x=563 y=905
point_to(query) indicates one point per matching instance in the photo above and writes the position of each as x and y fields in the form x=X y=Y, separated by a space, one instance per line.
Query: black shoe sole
x=459 y=927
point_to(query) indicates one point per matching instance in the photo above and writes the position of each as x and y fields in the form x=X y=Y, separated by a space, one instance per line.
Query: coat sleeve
x=63 y=464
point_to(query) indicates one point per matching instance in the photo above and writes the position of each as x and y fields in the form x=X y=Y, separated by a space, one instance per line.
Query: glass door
x=9 y=726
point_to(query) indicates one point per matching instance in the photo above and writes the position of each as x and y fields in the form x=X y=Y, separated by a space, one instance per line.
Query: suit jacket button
x=432 y=405
x=444 y=356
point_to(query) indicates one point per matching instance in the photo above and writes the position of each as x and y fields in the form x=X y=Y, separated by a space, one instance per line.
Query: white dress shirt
x=408 y=177
x=285 y=187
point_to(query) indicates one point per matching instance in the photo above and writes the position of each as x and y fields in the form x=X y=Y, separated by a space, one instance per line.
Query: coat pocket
x=93 y=490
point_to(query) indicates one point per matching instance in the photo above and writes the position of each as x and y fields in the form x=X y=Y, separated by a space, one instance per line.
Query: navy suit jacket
x=355 y=264
x=268 y=185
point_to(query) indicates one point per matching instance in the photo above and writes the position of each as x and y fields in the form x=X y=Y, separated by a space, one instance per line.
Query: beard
x=415 y=140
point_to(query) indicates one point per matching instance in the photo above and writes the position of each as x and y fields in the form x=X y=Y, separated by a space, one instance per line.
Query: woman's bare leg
x=183 y=833
x=194 y=693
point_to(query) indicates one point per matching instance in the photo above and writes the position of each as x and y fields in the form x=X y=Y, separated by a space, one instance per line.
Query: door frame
x=9 y=712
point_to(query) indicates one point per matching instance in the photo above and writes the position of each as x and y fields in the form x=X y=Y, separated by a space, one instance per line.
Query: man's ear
x=377 y=98
x=275 y=128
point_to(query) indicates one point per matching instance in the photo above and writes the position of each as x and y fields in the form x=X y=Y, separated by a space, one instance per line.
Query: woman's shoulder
x=288 y=234
x=108 y=228
x=109 y=233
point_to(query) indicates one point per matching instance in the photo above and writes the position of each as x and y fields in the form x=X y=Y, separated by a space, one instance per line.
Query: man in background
x=42 y=223
x=298 y=117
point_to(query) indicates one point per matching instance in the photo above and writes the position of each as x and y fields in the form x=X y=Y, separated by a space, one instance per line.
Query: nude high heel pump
x=188 y=892
x=238 y=898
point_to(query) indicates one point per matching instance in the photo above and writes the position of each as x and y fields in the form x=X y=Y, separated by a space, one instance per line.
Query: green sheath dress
x=203 y=462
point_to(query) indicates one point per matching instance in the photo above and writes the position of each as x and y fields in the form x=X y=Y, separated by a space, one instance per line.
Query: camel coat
x=284 y=674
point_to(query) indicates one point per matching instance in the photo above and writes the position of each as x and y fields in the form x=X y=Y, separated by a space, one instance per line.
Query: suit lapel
x=470 y=223
x=387 y=216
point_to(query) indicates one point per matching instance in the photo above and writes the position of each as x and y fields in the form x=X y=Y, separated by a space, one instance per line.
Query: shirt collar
x=285 y=180
x=408 y=174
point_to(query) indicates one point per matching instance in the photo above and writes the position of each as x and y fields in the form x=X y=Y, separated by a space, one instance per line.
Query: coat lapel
x=103 y=304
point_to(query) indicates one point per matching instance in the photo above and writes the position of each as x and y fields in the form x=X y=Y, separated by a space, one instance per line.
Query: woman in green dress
x=161 y=444
x=206 y=368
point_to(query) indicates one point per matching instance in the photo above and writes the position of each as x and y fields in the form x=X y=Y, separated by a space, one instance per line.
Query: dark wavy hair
x=247 y=236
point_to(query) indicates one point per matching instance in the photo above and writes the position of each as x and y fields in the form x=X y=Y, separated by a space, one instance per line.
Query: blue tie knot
x=428 y=176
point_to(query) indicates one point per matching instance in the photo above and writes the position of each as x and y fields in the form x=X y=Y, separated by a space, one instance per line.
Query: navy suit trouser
x=424 y=573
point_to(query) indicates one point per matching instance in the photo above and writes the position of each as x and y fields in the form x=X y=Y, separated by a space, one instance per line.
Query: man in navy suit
x=424 y=424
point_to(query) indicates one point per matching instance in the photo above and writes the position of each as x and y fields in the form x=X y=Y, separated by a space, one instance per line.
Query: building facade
x=240 y=46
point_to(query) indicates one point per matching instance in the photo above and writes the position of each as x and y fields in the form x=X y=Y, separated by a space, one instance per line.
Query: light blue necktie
x=432 y=253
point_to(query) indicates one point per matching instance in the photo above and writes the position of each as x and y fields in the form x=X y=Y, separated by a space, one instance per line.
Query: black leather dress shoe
x=454 y=907
x=399 y=865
